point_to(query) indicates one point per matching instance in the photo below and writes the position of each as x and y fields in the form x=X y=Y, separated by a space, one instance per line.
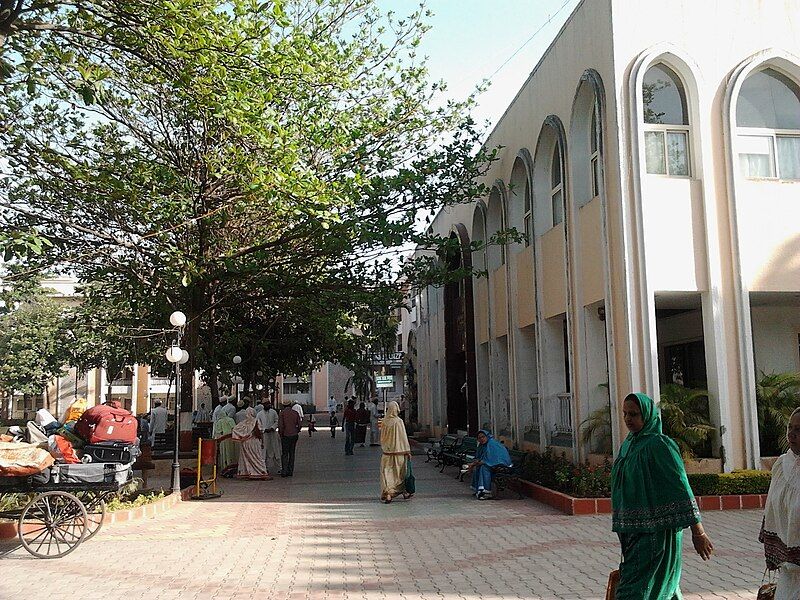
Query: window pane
x=654 y=152
x=528 y=230
x=527 y=196
x=595 y=177
x=664 y=97
x=555 y=168
x=755 y=156
x=768 y=100
x=789 y=157
x=558 y=207
x=593 y=133
x=677 y=153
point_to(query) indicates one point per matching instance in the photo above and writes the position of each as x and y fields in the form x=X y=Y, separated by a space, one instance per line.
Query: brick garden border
x=9 y=529
x=570 y=505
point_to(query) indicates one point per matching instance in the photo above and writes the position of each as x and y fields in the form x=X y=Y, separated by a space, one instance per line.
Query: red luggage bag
x=105 y=423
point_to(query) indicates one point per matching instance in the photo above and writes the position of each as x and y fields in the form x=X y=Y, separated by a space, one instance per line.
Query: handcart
x=59 y=516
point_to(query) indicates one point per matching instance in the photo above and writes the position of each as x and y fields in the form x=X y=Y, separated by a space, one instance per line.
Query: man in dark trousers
x=289 y=424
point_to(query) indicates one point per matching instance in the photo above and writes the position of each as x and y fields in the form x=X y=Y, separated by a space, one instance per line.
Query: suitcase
x=109 y=452
x=91 y=473
x=105 y=423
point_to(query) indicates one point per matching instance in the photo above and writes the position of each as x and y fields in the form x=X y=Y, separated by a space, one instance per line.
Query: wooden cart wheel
x=53 y=524
x=95 y=513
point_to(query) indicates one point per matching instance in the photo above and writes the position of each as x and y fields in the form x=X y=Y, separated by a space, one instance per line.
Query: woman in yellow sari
x=396 y=455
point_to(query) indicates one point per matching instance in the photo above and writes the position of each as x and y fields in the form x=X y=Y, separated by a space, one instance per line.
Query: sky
x=500 y=40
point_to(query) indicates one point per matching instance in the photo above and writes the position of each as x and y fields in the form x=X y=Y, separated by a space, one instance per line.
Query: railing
x=563 y=413
x=534 y=411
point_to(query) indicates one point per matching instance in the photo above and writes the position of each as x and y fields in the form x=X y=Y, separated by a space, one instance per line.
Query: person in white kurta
x=331 y=405
x=158 y=421
x=780 y=532
x=268 y=424
x=230 y=408
x=374 y=432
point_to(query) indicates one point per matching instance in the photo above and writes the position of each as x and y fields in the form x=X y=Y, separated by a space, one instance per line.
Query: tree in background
x=252 y=164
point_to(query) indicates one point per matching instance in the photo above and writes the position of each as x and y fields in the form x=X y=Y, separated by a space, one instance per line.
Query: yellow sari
x=396 y=453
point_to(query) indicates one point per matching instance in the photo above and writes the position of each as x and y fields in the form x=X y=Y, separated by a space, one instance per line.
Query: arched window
x=768 y=118
x=557 y=185
x=666 y=119
x=528 y=213
x=594 y=153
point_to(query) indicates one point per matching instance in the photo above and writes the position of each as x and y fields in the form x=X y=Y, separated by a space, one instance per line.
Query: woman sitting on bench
x=490 y=455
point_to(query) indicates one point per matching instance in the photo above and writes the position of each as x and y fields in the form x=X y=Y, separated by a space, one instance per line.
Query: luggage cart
x=59 y=516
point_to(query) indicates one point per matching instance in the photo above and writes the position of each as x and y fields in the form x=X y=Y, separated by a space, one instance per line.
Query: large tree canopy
x=255 y=164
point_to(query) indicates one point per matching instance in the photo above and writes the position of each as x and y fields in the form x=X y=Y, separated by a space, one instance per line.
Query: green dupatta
x=649 y=488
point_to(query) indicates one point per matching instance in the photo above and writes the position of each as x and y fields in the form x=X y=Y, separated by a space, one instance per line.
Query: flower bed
x=584 y=489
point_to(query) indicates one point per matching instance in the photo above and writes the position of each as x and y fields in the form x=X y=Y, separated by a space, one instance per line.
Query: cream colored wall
x=592 y=284
x=524 y=304
x=770 y=235
x=554 y=277
x=674 y=240
x=499 y=299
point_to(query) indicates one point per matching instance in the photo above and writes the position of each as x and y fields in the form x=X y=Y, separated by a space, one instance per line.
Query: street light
x=237 y=360
x=177 y=356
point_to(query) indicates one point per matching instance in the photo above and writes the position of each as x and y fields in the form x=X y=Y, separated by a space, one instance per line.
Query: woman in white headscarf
x=251 y=458
x=396 y=455
x=780 y=531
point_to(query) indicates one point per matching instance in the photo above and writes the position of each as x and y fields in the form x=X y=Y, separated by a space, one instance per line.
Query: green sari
x=652 y=504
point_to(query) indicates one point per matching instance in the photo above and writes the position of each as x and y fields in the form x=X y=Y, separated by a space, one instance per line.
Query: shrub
x=557 y=473
x=724 y=484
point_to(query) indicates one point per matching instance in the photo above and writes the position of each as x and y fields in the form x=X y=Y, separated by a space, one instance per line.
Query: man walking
x=349 y=426
x=331 y=404
x=267 y=420
x=289 y=424
x=374 y=434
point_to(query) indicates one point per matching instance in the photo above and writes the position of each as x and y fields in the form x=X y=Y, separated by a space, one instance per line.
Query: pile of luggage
x=94 y=445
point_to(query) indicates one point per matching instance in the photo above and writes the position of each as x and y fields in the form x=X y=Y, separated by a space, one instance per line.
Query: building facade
x=652 y=159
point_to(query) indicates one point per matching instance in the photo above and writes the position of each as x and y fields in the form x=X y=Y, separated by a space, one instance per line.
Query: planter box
x=570 y=505
x=9 y=529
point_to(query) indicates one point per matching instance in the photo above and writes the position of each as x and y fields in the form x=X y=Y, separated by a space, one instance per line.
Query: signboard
x=384 y=381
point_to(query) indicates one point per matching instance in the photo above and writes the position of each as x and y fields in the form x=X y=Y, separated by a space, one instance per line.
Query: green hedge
x=724 y=484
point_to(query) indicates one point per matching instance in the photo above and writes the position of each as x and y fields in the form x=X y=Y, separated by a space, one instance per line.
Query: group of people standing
x=359 y=422
x=258 y=439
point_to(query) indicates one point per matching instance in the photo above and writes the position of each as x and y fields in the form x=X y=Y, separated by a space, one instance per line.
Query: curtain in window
x=755 y=158
x=677 y=152
x=654 y=153
x=789 y=157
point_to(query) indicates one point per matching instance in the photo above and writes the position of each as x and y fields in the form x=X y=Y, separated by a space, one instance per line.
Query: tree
x=31 y=330
x=777 y=395
x=685 y=417
x=246 y=163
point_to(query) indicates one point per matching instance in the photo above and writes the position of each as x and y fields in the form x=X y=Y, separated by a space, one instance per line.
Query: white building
x=653 y=159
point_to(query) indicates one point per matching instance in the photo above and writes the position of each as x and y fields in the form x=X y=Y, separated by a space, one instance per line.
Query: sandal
x=407 y=496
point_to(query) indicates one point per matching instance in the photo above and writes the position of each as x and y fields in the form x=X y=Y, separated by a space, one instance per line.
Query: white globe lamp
x=237 y=360
x=174 y=354
x=184 y=357
x=178 y=319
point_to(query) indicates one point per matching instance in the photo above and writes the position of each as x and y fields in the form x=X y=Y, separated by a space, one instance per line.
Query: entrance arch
x=459 y=319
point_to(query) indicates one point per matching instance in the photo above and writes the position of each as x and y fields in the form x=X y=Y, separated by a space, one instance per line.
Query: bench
x=503 y=475
x=463 y=452
x=445 y=444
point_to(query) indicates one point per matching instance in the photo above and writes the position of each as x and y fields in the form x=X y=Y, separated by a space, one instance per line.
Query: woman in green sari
x=652 y=504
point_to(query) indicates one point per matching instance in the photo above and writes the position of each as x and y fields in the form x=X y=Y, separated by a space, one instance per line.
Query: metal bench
x=503 y=476
x=463 y=452
x=445 y=444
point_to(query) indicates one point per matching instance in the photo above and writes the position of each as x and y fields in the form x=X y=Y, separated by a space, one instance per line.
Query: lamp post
x=177 y=356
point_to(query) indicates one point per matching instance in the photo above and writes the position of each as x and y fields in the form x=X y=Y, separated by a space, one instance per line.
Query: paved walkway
x=323 y=535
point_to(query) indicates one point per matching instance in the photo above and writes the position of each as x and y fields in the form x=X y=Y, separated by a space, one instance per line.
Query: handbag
x=410 y=482
x=768 y=588
x=613 y=581
x=766 y=592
